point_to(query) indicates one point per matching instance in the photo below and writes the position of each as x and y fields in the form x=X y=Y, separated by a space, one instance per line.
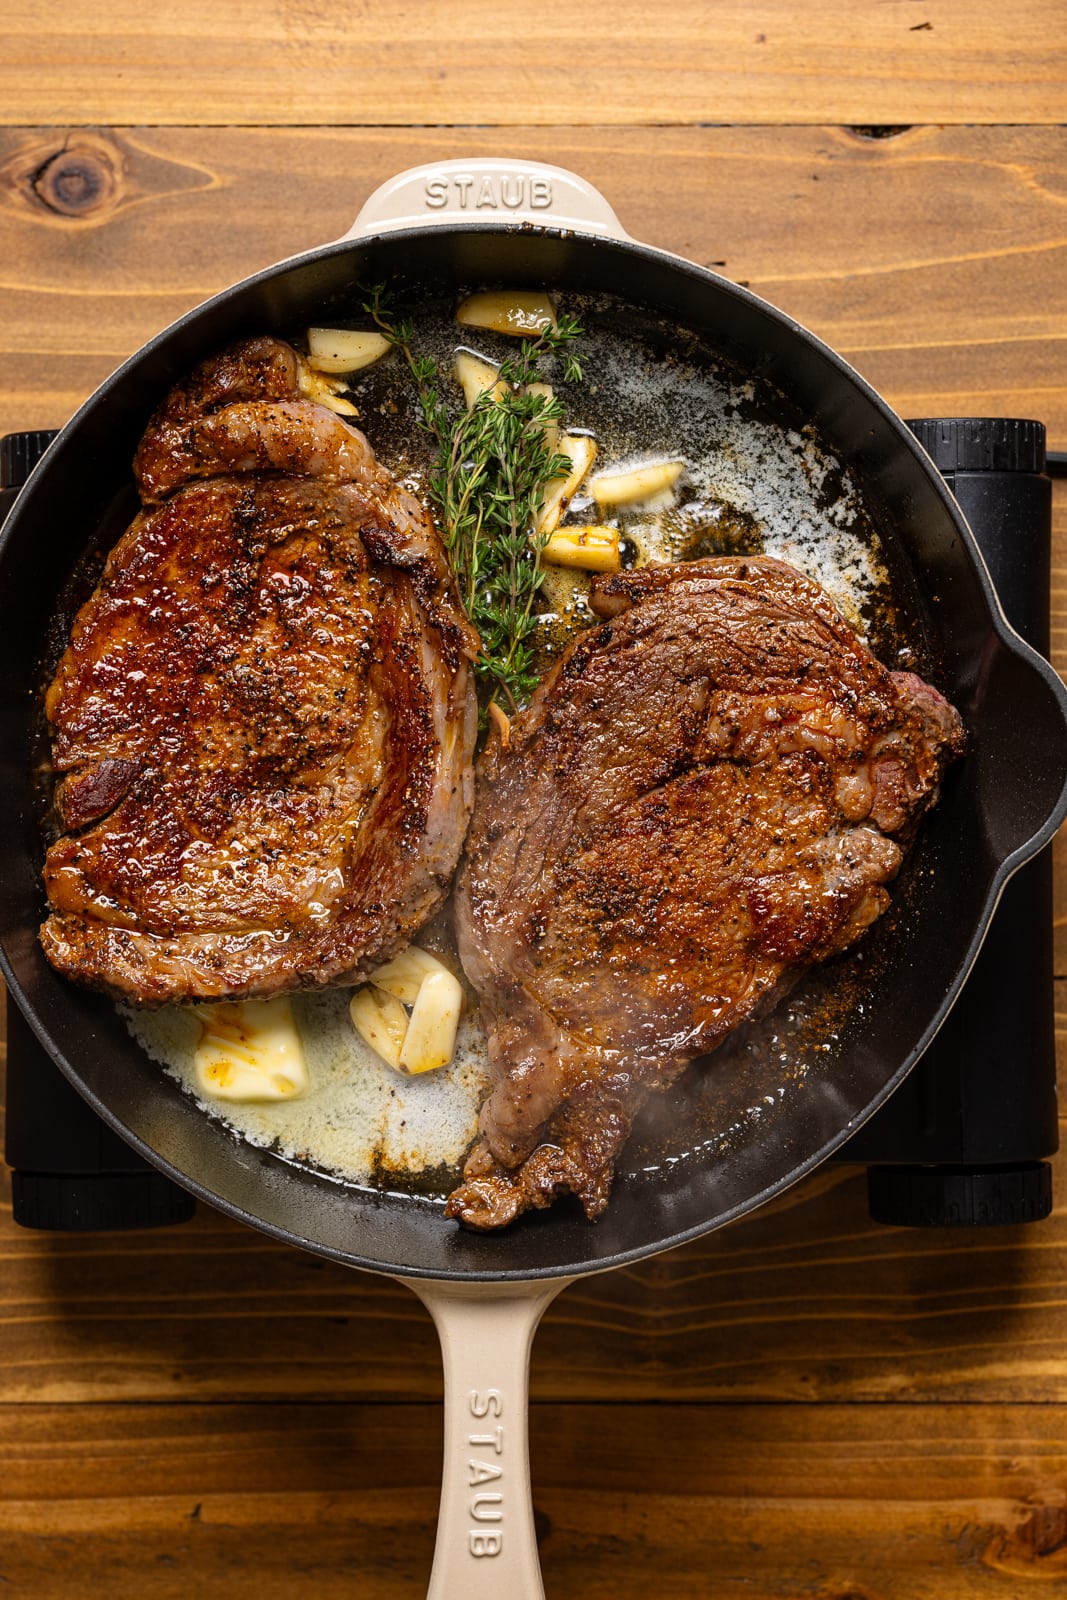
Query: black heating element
x=966 y=1138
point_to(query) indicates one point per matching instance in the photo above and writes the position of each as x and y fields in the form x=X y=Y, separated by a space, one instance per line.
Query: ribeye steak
x=263 y=725
x=709 y=790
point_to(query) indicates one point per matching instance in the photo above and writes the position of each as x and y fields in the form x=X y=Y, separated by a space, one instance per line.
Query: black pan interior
x=998 y=805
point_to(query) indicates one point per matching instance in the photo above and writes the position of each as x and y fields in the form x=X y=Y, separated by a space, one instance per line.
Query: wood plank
x=947 y=312
x=474 y=61
x=946 y=307
x=805 y=1300
x=956 y=1503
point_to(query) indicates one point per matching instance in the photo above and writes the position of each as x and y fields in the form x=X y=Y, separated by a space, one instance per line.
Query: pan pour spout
x=709 y=792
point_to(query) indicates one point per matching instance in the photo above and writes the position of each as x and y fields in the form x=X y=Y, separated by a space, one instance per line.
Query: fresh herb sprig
x=492 y=465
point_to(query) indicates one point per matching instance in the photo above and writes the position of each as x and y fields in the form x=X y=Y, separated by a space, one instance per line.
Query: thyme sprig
x=487 y=482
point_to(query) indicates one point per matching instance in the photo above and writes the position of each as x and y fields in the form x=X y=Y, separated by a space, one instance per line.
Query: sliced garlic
x=423 y=1040
x=250 y=1050
x=580 y=449
x=325 y=391
x=594 y=548
x=636 y=483
x=431 y=1036
x=381 y=1021
x=475 y=375
x=344 y=349
x=520 y=313
x=404 y=975
x=545 y=391
x=501 y=723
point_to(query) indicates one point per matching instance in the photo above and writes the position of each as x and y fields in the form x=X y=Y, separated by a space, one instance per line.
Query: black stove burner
x=965 y=1138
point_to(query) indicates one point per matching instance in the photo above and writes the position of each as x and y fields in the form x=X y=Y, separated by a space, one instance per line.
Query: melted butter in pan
x=361 y=1121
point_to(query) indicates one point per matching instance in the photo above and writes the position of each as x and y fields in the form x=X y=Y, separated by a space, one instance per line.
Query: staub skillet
x=500 y=223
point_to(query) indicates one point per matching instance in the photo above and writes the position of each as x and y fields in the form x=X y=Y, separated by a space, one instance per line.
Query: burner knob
x=19 y=454
x=982 y=444
x=963 y=1140
x=996 y=468
x=947 y=1197
x=68 y=1170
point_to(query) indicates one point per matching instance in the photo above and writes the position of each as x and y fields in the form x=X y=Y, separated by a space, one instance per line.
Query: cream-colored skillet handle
x=492 y=189
x=486 y=1546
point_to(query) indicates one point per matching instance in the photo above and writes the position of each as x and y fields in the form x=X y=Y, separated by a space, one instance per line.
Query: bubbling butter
x=357 y=1118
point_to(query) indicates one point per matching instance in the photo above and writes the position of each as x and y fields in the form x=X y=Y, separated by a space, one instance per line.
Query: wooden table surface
x=804 y=1404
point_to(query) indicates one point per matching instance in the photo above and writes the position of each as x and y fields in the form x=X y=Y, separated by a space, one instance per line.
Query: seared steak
x=264 y=721
x=708 y=792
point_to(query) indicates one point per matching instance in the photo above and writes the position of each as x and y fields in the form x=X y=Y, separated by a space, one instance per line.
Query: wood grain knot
x=880 y=130
x=79 y=181
x=1037 y=1545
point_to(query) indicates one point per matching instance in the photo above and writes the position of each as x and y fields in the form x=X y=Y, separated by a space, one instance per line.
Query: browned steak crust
x=264 y=720
x=710 y=789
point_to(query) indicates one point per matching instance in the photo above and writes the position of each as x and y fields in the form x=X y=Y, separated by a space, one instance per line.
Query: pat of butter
x=250 y=1050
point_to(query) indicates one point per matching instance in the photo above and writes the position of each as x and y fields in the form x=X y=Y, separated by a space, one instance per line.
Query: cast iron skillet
x=503 y=223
